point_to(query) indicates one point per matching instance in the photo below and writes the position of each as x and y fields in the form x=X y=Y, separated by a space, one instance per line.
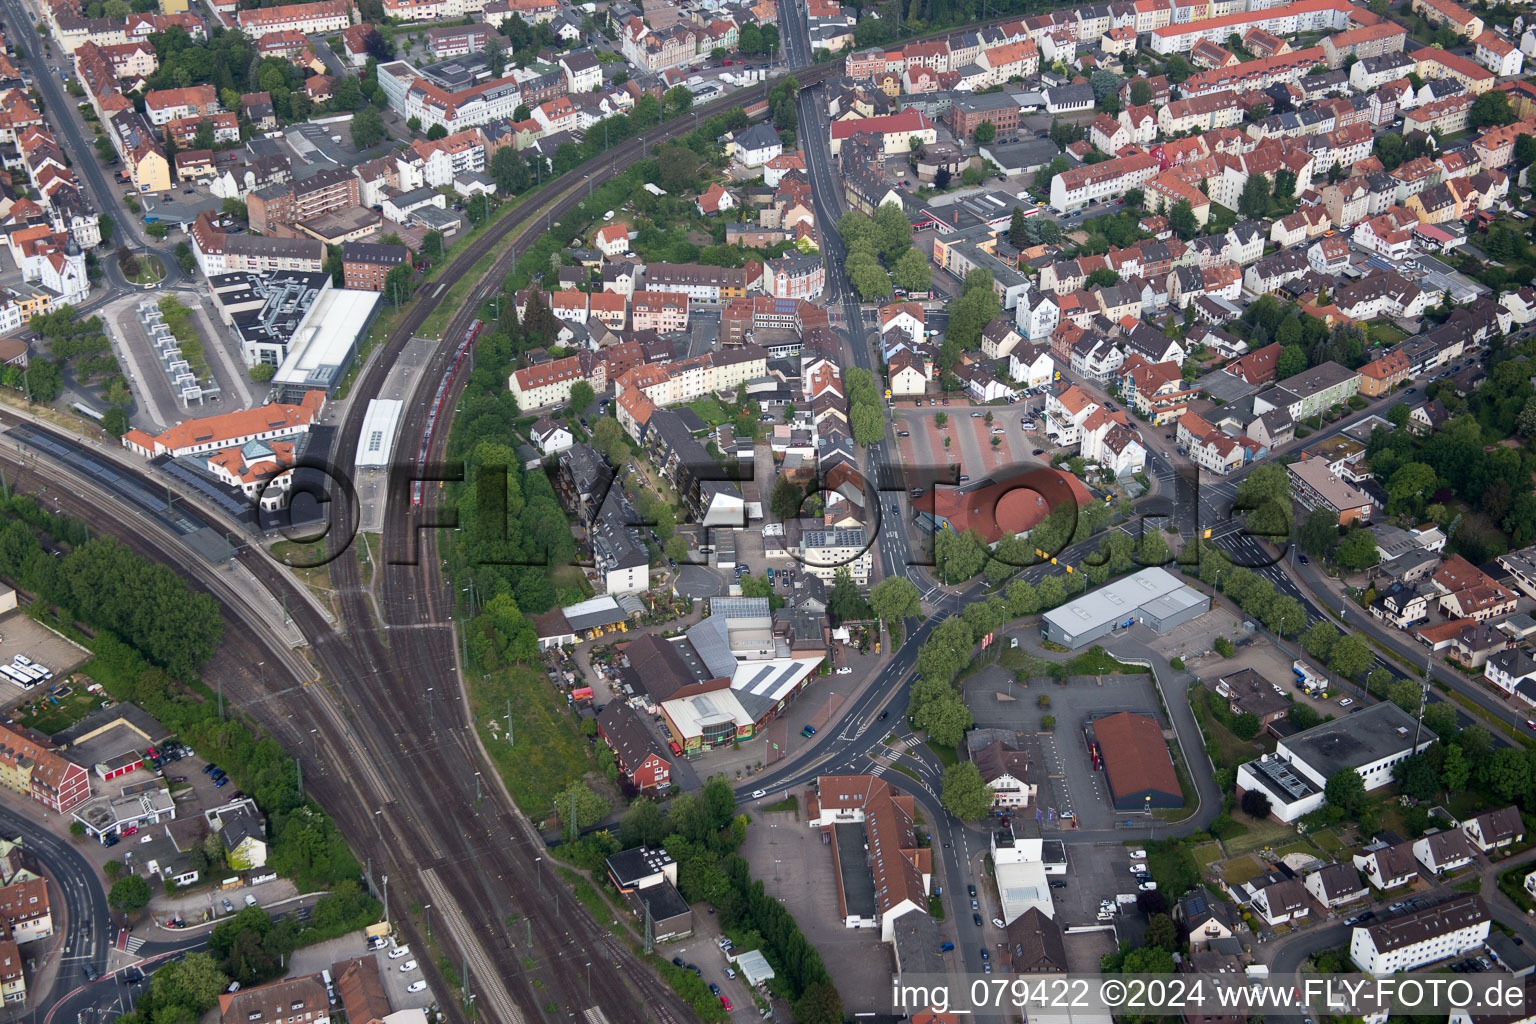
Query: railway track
x=385 y=739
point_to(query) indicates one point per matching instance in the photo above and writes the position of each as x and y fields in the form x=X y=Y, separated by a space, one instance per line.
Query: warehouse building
x=1136 y=762
x=1154 y=597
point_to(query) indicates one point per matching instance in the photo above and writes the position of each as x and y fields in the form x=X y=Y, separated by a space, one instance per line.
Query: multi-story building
x=38 y=772
x=1074 y=189
x=309 y=19
x=301 y=1000
x=1368 y=41
x=1286 y=20
x=1315 y=487
x=659 y=311
x=794 y=275
x=364 y=265
x=333 y=188
x=824 y=553
x=1445 y=12
x=1498 y=54
x=547 y=384
x=896 y=131
x=1421 y=937
x=1434 y=64
x=703 y=284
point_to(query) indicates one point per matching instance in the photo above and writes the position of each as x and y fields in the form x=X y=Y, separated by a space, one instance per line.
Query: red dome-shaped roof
x=1019 y=509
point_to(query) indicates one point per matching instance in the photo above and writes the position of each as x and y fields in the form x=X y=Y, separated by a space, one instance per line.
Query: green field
x=47 y=717
x=547 y=754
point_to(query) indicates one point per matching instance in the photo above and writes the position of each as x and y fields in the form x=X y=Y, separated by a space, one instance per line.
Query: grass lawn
x=908 y=772
x=1384 y=331
x=1097 y=662
x=1328 y=841
x=1172 y=865
x=1299 y=846
x=710 y=410
x=946 y=755
x=1260 y=834
x=548 y=754
x=1207 y=854
x=150 y=271
x=49 y=715
x=789 y=803
x=1242 y=869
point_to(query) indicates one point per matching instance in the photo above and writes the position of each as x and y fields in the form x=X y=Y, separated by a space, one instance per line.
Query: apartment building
x=1074 y=189
x=1421 y=937
x=1446 y=12
x=1285 y=21
x=547 y=384
x=31 y=769
x=307 y=19
x=365 y=265
x=328 y=189
x=703 y=284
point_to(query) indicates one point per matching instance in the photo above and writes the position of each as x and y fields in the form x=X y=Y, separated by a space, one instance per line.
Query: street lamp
x=589 y=980
x=426 y=913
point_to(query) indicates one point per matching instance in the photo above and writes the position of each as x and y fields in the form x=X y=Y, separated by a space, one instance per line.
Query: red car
x=725 y=1001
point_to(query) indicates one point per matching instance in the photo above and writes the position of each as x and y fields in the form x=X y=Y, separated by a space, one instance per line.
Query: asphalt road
x=88 y=922
x=87 y=166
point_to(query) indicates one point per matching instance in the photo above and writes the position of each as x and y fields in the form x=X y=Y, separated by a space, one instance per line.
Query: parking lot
x=796 y=869
x=20 y=634
x=1071 y=785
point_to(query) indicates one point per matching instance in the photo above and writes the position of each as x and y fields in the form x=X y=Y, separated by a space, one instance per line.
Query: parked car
x=970 y=891
x=250 y=900
x=408 y=967
x=714 y=989
x=725 y=1001
x=417 y=986
x=808 y=731
x=1346 y=702
x=977 y=919
x=229 y=908
x=399 y=951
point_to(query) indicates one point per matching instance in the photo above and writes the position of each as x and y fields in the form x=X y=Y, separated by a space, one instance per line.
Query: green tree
x=1161 y=933
x=1254 y=200
x=844 y=602
x=608 y=437
x=437 y=131
x=985 y=133
x=964 y=795
x=912 y=271
x=1346 y=791
x=1293 y=360
x=1256 y=803
x=1181 y=218
x=589 y=807
x=1141 y=92
x=1358 y=550
x=1455 y=770
x=261 y=372
x=895 y=598
x=1246 y=726
x=582 y=396
x=194 y=981
x=1318 y=532
x=820 y=1003
x=784 y=500
x=1350 y=656
x=1265 y=496
x=129 y=894
x=1505 y=774
x=367 y=128
x=1398 y=414
x=1491 y=109
x=105 y=225
x=1415 y=776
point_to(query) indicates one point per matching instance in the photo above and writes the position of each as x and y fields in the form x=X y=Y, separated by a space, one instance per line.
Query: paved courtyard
x=1071 y=784
x=796 y=868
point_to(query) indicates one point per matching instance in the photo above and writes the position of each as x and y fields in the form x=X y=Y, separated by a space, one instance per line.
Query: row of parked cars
x=214 y=772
